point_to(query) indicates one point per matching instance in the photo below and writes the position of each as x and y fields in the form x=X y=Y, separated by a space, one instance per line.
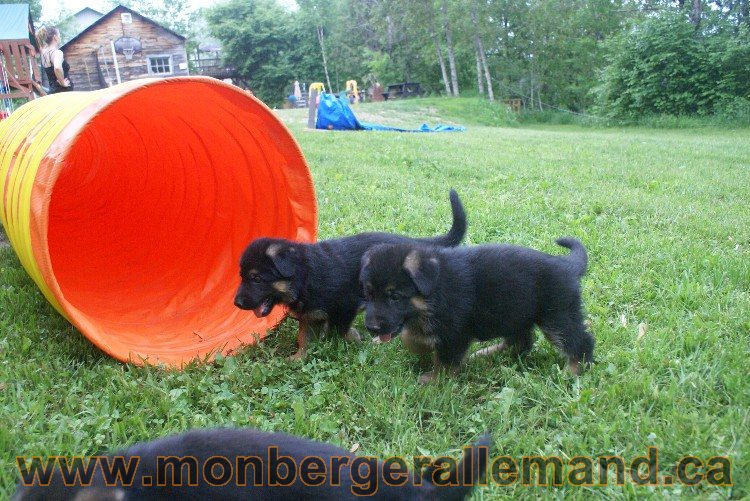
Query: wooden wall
x=81 y=53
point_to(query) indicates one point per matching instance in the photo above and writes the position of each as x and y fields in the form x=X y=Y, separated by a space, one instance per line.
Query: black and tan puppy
x=240 y=464
x=443 y=299
x=319 y=282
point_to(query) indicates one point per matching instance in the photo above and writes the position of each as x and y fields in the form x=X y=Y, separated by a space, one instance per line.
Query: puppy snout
x=373 y=326
x=242 y=303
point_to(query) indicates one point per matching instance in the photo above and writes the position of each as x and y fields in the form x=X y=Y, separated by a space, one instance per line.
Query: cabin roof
x=118 y=10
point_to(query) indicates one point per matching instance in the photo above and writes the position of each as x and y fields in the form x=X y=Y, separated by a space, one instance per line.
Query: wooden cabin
x=124 y=45
x=19 y=70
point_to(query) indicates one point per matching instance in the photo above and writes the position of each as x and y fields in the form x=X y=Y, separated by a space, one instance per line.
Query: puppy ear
x=365 y=259
x=423 y=270
x=363 y=264
x=283 y=259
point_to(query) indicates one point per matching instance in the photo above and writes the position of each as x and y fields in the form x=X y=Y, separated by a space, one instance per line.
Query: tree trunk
x=388 y=34
x=539 y=96
x=490 y=92
x=443 y=71
x=325 y=63
x=482 y=61
x=531 y=96
x=430 y=16
x=449 y=48
x=480 y=85
x=695 y=12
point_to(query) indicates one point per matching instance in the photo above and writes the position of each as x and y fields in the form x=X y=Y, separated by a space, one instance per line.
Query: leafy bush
x=730 y=61
x=734 y=111
x=667 y=66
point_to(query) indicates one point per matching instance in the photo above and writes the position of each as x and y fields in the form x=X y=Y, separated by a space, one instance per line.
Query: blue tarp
x=334 y=113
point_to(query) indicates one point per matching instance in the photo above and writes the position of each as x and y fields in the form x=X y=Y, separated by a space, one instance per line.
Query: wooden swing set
x=19 y=71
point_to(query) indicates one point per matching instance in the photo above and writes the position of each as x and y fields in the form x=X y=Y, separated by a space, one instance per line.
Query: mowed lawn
x=664 y=214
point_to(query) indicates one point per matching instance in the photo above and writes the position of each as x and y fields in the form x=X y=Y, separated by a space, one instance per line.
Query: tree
x=448 y=31
x=737 y=10
x=256 y=36
x=545 y=51
x=666 y=66
x=481 y=55
x=429 y=18
x=696 y=8
x=318 y=13
x=388 y=41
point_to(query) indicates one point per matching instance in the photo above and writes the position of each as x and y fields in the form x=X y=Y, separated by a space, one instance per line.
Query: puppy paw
x=353 y=336
x=427 y=377
x=383 y=338
x=576 y=367
x=489 y=350
x=297 y=356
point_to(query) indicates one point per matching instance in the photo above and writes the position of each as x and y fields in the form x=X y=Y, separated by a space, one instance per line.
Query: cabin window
x=126 y=18
x=160 y=65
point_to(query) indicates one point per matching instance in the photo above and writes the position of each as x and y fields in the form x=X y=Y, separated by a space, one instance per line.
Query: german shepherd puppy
x=442 y=299
x=239 y=464
x=319 y=282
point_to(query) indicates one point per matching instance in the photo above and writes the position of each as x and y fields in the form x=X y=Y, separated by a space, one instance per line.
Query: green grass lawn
x=665 y=216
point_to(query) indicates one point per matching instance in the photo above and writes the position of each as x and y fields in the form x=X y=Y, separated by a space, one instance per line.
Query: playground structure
x=19 y=71
x=331 y=112
x=318 y=87
x=352 y=92
x=132 y=222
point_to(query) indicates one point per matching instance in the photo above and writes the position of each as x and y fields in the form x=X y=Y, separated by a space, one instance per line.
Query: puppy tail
x=577 y=257
x=458 y=228
x=472 y=471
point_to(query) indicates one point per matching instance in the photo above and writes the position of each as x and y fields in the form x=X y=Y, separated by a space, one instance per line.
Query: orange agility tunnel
x=130 y=207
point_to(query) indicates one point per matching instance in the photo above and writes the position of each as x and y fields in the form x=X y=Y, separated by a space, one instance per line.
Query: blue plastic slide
x=334 y=113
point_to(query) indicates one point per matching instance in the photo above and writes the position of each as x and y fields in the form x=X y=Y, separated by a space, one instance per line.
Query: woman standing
x=53 y=60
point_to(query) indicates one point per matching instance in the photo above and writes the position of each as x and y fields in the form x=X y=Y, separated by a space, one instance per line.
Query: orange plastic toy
x=130 y=207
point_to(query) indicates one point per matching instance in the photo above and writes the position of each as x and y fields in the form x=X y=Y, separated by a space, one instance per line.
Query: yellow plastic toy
x=351 y=88
x=316 y=86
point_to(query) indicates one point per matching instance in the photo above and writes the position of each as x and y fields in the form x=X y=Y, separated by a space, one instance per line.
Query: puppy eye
x=255 y=277
x=394 y=296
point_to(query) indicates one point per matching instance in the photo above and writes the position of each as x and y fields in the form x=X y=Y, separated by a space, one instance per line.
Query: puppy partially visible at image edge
x=232 y=446
x=319 y=282
x=443 y=299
